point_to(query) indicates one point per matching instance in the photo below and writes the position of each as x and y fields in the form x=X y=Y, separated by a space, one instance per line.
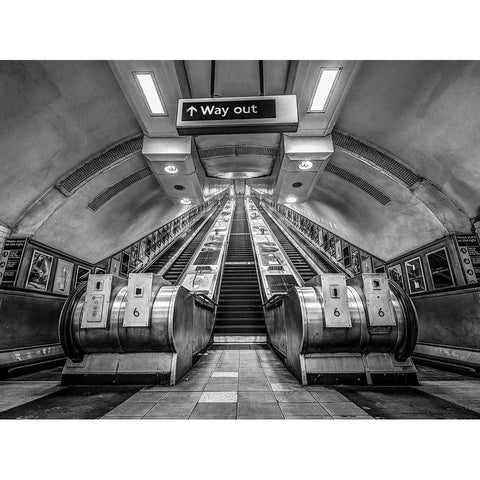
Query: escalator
x=299 y=262
x=174 y=272
x=240 y=311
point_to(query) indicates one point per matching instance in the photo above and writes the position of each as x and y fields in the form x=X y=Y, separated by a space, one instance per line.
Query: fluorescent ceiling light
x=291 y=199
x=185 y=201
x=305 y=165
x=323 y=91
x=151 y=93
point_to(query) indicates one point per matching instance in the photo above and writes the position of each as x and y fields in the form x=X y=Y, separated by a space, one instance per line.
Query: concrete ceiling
x=56 y=115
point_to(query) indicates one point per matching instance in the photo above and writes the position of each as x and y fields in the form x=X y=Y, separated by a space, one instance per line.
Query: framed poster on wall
x=39 y=271
x=440 y=270
x=63 y=277
x=416 y=277
x=82 y=275
x=395 y=274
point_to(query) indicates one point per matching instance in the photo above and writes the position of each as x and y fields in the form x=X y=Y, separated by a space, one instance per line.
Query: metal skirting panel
x=110 y=192
x=358 y=182
x=449 y=354
x=239 y=339
x=71 y=182
x=29 y=355
x=382 y=160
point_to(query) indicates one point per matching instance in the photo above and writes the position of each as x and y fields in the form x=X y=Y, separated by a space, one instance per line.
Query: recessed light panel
x=323 y=91
x=150 y=92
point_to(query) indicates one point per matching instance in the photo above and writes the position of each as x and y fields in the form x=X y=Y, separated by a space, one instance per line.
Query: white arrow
x=191 y=110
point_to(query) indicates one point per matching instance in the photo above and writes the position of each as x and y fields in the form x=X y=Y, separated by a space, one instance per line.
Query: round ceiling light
x=291 y=199
x=305 y=165
x=171 y=169
x=185 y=201
x=179 y=187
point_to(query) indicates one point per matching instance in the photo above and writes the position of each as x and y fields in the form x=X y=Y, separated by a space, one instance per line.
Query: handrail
x=274 y=300
x=267 y=197
x=411 y=323
x=203 y=207
x=204 y=298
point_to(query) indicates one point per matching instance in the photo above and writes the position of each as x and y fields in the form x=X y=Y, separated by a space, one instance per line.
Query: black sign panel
x=228 y=110
x=260 y=114
x=10 y=261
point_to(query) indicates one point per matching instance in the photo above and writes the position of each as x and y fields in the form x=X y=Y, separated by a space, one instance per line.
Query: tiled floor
x=243 y=384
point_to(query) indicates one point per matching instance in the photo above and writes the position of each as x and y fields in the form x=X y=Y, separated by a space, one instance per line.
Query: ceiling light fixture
x=185 y=201
x=324 y=88
x=171 y=169
x=291 y=199
x=305 y=165
x=150 y=92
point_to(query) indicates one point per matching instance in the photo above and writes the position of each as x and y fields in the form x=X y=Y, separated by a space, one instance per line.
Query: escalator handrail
x=411 y=323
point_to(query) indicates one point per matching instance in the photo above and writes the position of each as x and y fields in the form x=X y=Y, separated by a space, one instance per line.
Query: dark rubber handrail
x=65 y=325
x=411 y=323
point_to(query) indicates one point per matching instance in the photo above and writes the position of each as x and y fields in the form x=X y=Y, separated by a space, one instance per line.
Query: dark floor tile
x=254 y=410
x=294 y=396
x=220 y=411
x=181 y=397
x=171 y=410
x=257 y=397
x=304 y=410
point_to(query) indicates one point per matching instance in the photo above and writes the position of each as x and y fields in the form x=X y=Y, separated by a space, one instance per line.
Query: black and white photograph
x=239 y=239
x=39 y=271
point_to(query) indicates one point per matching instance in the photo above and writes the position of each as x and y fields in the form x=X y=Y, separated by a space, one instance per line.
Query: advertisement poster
x=82 y=275
x=10 y=262
x=416 y=278
x=39 y=273
x=355 y=262
x=63 y=277
x=439 y=265
x=395 y=274
x=115 y=266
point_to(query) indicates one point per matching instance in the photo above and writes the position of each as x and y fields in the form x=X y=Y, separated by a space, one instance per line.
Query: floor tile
x=147 y=397
x=221 y=380
x=180 y=397
x=220 y=411
x=171 y=410
x=304 y=410
x=218 y=397
x=254 y=387
x=219 y=374
x=283 y=387
x=131 y=409
x=221 y=387
x=294 y=396
x=344 y=409
x=325 y=396
x=257 y=397
x=254 y=410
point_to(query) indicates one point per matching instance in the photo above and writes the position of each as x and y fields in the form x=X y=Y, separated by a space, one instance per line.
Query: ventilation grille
x=237 y=150
x=110 y=192
x=384 y=161
x=359 y=182
x=92 y=167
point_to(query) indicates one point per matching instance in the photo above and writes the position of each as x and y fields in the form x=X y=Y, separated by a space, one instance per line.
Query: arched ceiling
x=422 y=116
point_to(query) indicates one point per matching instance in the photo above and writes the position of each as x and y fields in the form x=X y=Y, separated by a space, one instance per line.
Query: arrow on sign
x=191 y=110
